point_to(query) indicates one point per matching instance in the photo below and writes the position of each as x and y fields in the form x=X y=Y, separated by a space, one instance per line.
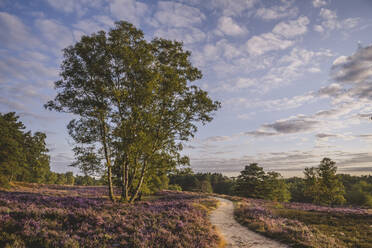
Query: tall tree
x=322 y=184
x=254 y=182
x=84 y=91
x=12 y=157
x=23 y=155
x=133 y=98
x=250 y=182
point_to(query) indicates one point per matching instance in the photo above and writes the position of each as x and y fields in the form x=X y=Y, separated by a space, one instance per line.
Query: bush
x=4 y=182
x=175 y=187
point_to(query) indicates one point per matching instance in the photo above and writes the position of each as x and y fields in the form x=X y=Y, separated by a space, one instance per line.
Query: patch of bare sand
x=236 y=235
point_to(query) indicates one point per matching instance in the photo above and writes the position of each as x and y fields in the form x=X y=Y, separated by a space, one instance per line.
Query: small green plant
x=175 y=187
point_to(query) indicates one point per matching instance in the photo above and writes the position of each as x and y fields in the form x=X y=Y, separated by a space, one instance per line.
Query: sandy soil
x=235 y=235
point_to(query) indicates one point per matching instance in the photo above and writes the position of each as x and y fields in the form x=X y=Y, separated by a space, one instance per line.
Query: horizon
x=294 y=78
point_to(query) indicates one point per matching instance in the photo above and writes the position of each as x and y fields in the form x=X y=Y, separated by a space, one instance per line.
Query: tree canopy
x=254 y=182
x=322 y=185
x=23 y=155
x=134 y=104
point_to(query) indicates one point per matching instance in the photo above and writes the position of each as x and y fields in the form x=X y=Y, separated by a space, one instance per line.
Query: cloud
x=331 y=22
x=273 y=104
x=326 y=135
x=186 y=35
x=94 y=24
x=293 y=125
x=277 y=12
x=231 y=7
x=258 y=45
x=178 y=21
x=129 y=10
x=55 y=32
x=355 y=68
x=217 y=138
x=80 y=7
x=319 y=3
x=259 y=133
x=177 y=15
x=292 y=28
x=11 y=104
x=14 y=33
x=292 y=66
x=332 y=90
x=27 y=70
x=227 y=26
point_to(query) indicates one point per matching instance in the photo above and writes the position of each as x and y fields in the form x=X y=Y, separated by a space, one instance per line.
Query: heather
x=306 y=225
x=170 y=219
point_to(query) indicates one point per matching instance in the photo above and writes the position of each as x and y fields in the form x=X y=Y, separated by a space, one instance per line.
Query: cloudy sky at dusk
x=294 y=77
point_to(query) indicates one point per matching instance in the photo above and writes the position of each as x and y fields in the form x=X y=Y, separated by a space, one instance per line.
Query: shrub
x=175 y=187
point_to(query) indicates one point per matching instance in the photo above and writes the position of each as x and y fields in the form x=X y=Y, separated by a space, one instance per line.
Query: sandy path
x=235 y=235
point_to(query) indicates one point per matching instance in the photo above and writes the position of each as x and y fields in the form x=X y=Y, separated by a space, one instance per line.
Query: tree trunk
x=111 y=189
x=139 y=185
x=108 y=161
x=124 y=189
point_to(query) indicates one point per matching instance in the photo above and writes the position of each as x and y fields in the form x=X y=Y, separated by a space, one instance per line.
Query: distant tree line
x=320 y=185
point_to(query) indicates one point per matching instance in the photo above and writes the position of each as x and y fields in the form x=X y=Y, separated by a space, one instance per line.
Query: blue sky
x=294 y=77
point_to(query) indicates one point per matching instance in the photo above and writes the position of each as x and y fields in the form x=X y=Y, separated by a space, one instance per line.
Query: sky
x=294 y=77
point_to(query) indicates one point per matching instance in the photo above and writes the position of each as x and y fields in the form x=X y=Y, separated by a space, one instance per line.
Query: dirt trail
x=236 y=235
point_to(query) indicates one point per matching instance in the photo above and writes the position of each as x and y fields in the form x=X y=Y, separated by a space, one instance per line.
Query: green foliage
x=206 y=187
x=70 y=178
x=134 y=104
x=360 y=194
x=87 y=181
x=23 y=156
x=296 y=188
x=322 y=185
x=255 y=183
x=201 y=182
x=175 y=187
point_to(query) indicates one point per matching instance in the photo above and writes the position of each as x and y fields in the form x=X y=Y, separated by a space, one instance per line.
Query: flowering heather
x=306 y=225
x=313 y=207
x=38 y=220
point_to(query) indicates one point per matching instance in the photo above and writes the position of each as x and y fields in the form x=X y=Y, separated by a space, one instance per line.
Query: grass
x=306 y=225
x=351 y=229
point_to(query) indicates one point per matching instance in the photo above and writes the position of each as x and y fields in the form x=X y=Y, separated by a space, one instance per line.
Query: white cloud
x=277 y=12
x=273 y=104
x=215 y=54
x=25 y=69
x=55 y=33
x=292 y=28
x=178 y=15
x=258 y=45
x=319 y=3
x=186 y=35
x=78 y=6
x=178 y=21
x=292 y=66
x=128 y=10
x=14 y=33
x=231 y=7
x=331 y=22
x=319 y=28
x=226 y=25
x=94 y=24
